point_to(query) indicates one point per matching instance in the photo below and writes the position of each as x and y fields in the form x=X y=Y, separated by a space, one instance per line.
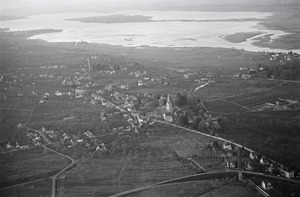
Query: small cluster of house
x=253 y=162
x=6 y=146
x=79 y=80
x=256 y=162
x=145 y=81
x=246 y=73
x=55 y=67
x=13 y=144
x=290 y=56
x=46 y=75
x=137 y=73
x=10 y=79
x=271 y=167
x=86 y=139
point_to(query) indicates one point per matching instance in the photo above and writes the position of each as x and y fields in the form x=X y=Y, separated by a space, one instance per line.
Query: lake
x=170 y=29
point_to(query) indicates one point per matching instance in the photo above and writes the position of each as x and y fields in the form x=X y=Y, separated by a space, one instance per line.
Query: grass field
x=209 y=188
x=272 y=134
x=134 y=162
x=222 y=106
x=225 y=87
x=41 y=188
x=26 y=163
x=287 y=90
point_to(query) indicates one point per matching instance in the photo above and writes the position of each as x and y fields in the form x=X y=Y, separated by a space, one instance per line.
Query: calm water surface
x=178 y=33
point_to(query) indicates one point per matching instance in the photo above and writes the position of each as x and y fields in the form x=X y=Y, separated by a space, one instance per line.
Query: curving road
x=203 y=176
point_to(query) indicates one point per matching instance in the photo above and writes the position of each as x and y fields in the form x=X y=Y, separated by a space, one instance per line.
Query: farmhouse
x=227 y=146
x=286 y=173
x=58 y=93
x=89 y=134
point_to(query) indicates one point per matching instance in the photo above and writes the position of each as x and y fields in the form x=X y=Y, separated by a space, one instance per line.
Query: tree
x=180 y=100
x=202 y=125
x=183 y=120
x=196 y=121
x=191 y=102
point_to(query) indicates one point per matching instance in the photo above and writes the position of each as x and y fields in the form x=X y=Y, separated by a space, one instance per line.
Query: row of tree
x=288 y=71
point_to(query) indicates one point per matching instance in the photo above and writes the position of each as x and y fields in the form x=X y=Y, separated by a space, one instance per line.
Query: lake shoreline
x=28 y=34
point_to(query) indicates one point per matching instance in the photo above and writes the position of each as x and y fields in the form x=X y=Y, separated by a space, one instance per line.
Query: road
x=203 y=176
x=197 y=88
x=207 y=135
x=88 y=61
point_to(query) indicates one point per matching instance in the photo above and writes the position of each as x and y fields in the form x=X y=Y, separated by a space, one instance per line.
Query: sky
x=46 y=3
x=27 y=7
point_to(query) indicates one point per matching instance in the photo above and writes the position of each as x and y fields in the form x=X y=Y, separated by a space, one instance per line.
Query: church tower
x=169 y=107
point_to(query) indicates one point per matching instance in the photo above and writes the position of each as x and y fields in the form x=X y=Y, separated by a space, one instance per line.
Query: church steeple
x=169 y=107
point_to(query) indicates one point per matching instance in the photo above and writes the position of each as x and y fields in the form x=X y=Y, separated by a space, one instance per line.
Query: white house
x=58 y=93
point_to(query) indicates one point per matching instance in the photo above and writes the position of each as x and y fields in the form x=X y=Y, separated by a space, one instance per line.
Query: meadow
x=143 y=159
x=26 y=164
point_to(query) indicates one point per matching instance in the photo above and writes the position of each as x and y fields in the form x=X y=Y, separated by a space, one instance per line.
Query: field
x=222 y=106
x=134 y=162
x=209 y=188
x=273 y=134
x=229 y=87
x=40 y=188
x=288 y=90
x=136 y=159
x=24 y=164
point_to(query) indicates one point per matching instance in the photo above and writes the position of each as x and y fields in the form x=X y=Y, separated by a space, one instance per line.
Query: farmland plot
x=41 y=188
x=26 y=163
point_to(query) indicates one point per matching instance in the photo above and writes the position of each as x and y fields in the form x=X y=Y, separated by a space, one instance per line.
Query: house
x=251 y=156
x=252 y=71
x=8 y=146
x=19 y=125
x=286 y=173
x=263 y=161
x=89 y=134
x=168 y=117
x=41 y=75
x=93 y=102
x=58 y=93
x=246 y=76
x=227 y=146
x=79 y=91
x=140 y=83
x=243 y=69
x=237 y=75
x=24 y=147
x=266 y=185
x=65 y=137
x=249 y=167
x=124 y=86
x=230 y=164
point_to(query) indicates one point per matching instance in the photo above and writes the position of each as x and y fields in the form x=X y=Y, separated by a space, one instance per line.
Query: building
x=227 y=146
x=287 y=174
x=169 y=106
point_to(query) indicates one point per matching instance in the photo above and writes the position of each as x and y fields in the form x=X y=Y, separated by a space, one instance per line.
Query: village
x=134 y=110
